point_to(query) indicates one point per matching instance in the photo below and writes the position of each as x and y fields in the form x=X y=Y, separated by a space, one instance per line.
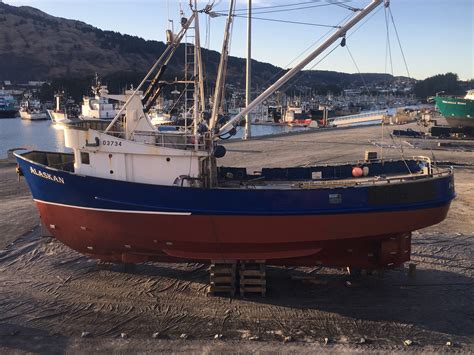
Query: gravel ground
x=50 y=295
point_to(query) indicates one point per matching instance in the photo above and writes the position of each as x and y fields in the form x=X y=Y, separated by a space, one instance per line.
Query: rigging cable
x=286 y=21
x=358 y=70
x=354 y=9
x=286 y=10
x=363 y=23
x=303 y=73
x=401 y=149
x=388 y=49
x=290 y=5
x=311 y=45
x=318 y=40
x=318 y=62
x=300 y=75
x=399 y=42
x=255 y=11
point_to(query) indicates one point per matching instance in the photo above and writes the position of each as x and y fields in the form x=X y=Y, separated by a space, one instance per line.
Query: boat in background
x=159 y=114
x=158 y=118
x=98 y=107
x=59 y=114
x=8 y=105
x=31 y=109
x=298 y=114
x=459 y=112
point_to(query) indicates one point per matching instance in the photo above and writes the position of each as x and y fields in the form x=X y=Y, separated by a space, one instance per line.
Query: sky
x=436 y=36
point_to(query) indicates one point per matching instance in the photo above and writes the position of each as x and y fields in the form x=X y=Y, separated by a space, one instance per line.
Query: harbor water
x=44 y=135
x=38 y=135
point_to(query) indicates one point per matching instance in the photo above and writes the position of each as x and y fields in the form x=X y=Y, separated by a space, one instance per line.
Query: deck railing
x=174 y=139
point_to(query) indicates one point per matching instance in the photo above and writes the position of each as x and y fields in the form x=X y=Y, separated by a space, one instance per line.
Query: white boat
x=158 y=118
x=98 y=107
x=32 y=110
x=158 y=113
x=59 y=114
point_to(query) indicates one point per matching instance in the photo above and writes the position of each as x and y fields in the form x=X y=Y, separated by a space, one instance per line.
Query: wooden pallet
x=252 y=277
x=222 y=277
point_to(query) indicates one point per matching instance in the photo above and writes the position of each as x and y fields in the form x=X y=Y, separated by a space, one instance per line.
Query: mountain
x=38 y=46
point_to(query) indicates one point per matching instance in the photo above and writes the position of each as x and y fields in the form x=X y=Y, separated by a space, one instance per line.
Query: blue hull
x=70 y=189
x=359 y=226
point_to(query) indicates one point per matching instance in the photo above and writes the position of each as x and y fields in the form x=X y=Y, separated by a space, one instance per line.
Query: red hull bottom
x=368 y=240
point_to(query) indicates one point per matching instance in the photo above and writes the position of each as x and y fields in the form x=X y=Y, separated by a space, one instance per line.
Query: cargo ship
x=459 y=112
x=131 y=193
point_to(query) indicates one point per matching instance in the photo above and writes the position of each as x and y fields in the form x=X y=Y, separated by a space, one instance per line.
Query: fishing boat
x=459 y=112
x=130 y=193
x=98 y=106
x=32 y=110
x=298 y=114
x=158 y=114
x=158 y=118
x=8 y=106
x=59 y=114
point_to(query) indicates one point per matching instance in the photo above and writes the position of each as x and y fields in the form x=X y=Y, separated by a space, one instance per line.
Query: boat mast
x=220 y=82
x=248 y=78
x=169 y=50
x=197 y=74
x=341 y=32
x=197 y=46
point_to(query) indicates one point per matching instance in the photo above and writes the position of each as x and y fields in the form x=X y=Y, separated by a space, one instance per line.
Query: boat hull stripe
x=116 y=211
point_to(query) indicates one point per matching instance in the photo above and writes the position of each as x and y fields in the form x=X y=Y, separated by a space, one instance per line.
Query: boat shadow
x=434 y=300
x=438 y=299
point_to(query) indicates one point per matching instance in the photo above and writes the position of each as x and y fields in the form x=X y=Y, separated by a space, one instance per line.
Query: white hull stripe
x=116 y=211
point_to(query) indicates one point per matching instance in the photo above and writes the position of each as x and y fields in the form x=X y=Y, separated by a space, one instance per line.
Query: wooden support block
x=252 y=273
x=247 y=268
x=222 y=279
x=256 y=289
x=230 y=262
x=252 y=277
x=224 y=270
x=212 y=290
x=253 y=288
x=253 y=282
